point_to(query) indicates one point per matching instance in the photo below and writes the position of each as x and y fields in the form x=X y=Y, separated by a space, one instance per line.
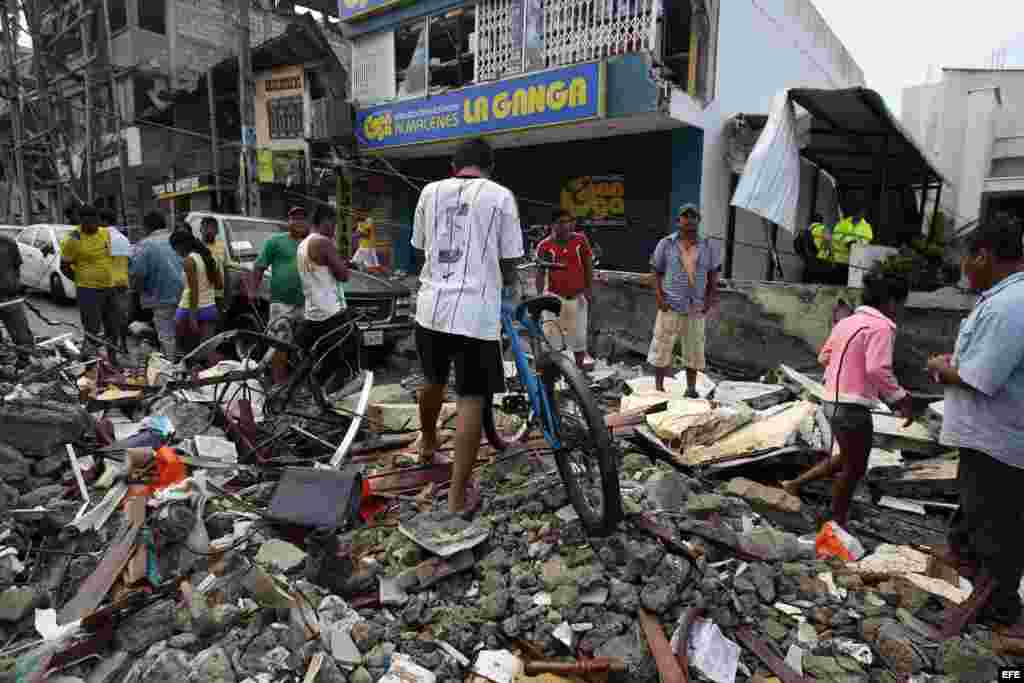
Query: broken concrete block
x=15 y=467
x=17 y=603
x=756 y=395
x=686 y=426
x=280 y=555
x=768 y=496
x=38 y=428
x=145 y=627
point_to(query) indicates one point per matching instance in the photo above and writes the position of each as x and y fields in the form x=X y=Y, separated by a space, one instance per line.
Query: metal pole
x=246 y=108
x=938 y=206
x=122 y=153
x=19 y=132
x=87 y=169
x=730 y=230
x=214 y=144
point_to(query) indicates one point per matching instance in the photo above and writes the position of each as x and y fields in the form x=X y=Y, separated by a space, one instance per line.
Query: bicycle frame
x=529 y=379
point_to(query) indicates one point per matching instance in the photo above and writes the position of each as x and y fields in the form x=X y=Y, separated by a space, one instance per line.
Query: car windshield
x=247 y=237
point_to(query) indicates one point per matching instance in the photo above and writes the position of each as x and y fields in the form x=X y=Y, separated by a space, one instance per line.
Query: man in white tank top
x=322 y=272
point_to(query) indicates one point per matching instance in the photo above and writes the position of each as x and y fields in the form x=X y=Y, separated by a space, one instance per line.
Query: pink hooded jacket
x=867 y=366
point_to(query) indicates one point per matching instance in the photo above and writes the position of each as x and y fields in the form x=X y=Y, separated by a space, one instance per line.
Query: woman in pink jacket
x=858 y=358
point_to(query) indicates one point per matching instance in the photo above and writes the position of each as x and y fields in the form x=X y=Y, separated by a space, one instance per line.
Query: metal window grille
x=499 y=43
x=286 y=122
x=584 y=30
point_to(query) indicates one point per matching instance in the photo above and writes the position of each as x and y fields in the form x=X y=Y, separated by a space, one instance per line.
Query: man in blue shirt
x=984 y=418
x=157 y=273
x=686 y=269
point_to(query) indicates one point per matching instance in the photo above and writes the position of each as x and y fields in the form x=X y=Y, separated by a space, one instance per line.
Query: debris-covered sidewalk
x=159 y=525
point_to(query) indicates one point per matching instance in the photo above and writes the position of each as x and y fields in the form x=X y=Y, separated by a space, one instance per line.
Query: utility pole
x=10 y=39
x=247 y=113
x=214 y=143
x=122 y=153
x=87 y=167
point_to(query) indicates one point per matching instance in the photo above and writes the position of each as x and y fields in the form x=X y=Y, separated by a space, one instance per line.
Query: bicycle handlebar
x=543 y=265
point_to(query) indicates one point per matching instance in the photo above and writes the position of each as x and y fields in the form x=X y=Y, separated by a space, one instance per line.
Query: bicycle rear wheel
x=587 y=459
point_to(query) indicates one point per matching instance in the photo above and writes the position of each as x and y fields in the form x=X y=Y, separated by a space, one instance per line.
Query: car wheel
x=57 y=289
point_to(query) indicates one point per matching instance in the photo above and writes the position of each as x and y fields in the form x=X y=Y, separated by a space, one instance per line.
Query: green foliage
x=921 y=261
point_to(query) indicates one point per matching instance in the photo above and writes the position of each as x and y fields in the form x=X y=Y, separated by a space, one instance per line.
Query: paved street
x=59 y=313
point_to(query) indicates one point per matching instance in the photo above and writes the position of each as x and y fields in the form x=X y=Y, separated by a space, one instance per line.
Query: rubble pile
x=176 y=536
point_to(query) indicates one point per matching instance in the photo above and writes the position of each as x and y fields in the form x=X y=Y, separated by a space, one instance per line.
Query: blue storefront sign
x=548 y=98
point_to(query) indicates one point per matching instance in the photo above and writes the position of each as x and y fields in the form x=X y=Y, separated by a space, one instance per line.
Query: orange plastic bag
x=170 y=470
x=835 y=541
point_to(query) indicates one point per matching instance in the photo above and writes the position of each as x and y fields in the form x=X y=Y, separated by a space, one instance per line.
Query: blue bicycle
x=558 y=400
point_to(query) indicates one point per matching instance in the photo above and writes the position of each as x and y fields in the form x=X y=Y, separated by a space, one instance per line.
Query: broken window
x=451 y=55
x=411 y=59
x=153 y=16
x=285 y=116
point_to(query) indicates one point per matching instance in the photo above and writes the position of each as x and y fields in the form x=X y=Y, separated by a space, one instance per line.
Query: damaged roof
x=851 y=128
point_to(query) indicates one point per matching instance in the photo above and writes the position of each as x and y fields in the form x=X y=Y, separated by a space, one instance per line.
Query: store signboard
x=548 y=98
x=597 y=201
x=282 y=167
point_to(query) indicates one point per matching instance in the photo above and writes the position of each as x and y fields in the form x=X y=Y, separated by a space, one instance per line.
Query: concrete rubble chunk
x=17 y=603
x=145 y=627
x=280 y=555
x=766 y=495
x=211 y=666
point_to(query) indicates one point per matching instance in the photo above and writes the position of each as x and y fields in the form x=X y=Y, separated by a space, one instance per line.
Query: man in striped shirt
x=686 y=269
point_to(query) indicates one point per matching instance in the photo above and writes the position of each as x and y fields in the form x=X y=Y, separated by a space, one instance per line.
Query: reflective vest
x=845 y=234
x=822 y=241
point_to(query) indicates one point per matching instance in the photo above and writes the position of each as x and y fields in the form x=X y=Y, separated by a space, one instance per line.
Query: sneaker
x=691 y=393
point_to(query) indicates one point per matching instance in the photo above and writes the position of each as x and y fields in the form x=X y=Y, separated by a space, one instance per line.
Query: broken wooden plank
x=775 y=664
x=935 y=478
x=99 y=583
x=771 y=433
x=664 y=659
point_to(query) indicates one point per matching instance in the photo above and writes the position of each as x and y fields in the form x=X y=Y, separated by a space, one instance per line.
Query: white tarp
x=770 y=184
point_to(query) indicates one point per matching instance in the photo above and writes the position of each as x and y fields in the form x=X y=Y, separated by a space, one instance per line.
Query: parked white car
x=40 y=254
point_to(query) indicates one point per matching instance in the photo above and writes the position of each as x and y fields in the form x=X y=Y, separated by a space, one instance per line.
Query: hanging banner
x=549 y=98
x=597 y=201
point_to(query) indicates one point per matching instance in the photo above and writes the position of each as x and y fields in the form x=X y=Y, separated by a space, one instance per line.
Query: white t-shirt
x=465 y=227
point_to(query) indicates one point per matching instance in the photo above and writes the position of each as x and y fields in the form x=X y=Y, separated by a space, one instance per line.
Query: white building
x=658 y=82
x=972 y=123
x=764 y=47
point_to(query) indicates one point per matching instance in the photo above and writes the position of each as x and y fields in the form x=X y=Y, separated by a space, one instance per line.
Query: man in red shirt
x=574 y=285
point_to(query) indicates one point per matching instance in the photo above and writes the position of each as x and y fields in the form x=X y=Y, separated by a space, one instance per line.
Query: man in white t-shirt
x=468 y=230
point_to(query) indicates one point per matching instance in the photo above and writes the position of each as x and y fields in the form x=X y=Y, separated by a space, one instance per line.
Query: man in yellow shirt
x=86 y=258
x=120 y=249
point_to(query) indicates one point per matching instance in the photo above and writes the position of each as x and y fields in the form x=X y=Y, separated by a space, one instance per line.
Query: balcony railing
x=584 y=30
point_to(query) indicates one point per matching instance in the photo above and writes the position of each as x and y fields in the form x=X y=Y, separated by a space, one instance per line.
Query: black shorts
x=479 y=370
x=310 y=331
x=850 y=417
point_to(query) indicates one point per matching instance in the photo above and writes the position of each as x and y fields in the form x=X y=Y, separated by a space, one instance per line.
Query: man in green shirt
x=286 y=300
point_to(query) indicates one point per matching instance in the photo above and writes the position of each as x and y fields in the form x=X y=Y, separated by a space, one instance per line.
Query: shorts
x=310 y=331
x=670 y=327
x=850 y=417
x=205 y=314
x=284 y=320
x=569 y=329
x=479 y=370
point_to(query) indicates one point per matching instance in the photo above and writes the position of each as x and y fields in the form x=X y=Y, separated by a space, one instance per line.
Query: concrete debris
x=200 y=581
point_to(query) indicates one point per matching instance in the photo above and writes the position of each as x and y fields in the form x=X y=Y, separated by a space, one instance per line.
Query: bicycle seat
x=539 y=304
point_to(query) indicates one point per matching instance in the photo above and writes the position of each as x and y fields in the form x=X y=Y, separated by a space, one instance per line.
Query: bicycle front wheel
x=587 y=457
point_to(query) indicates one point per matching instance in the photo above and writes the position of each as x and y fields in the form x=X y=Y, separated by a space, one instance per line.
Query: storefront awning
x=850 y=134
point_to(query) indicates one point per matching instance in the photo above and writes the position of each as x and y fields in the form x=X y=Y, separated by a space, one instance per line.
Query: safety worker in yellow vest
x=848 y=232
x=822 y=236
